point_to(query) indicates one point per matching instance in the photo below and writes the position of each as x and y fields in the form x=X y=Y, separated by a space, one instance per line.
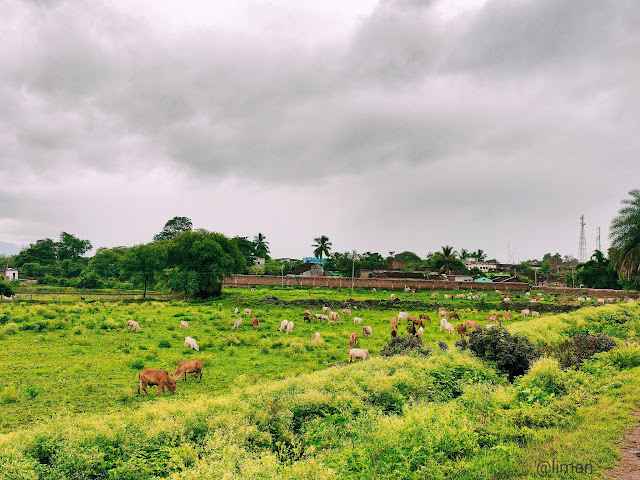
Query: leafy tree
x=32 y=270
x=342 y=263
x=625 y=238
x=142 y=263
x=464 y=254
x=71 y=268
x=200 y=260
x=43 y=252
x=107 y=262
x=322 y=246
x=5 y=289
x=247 y=248
x=371 y=261
x=71 y=247
x=408 y=257
x=479 y=255
x=173 y=228
x=261 y=246
x=597 y=273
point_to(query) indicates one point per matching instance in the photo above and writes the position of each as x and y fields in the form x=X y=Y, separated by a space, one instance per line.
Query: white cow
x=184 y=325
x=357 y=320
x=534 y=313
x=362 y=353
x=316 y=337
x=237 y=323
x=236 y=311
x=448 y=327
x=442 y=322
x=289 y=327
x=283 y=324
x=525 y=313
x=326 y=309
x=420 y=332
x=366 y=331
x=191 y=342
x=248 y=311
x=403 y=315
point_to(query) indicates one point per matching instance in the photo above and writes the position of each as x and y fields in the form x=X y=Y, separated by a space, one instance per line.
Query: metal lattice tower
x=582 y=247
x=598 y=246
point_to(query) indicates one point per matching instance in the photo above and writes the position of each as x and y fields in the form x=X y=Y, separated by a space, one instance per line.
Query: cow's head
x=171 y=385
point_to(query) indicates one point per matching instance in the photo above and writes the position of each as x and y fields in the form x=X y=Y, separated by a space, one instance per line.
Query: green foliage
x=5 y=289
x=404 y=345
x=200 y=261
x=261 y=246
x=544 y=381
x=31 y=270
x=173 y=228
x=512 y=354
x=32 y=391
x=106 y=263
x=572 y=352
x=143 y=262
x=625 y=238
x=624 y=357
x=71 y=247
x=597 y=273
x=43 y=252
x=321 y=247
x=164 y=344
x=11 y=328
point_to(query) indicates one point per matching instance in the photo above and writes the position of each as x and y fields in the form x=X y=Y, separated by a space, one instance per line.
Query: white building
x=9 y=274
x=484 y=267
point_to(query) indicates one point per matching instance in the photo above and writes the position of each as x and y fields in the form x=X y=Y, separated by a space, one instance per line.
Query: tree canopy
x=597 y=273
x=322 y=246
x=625 y=238
x=71 y=247
x=173 y=228
x=261 y=246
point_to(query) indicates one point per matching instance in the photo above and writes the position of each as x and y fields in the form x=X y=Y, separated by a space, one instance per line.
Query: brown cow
x=346 y=311
x=394 y=333
x=353 y=339
x=255 y=322
x=417 y=322
x=424 y=316
x=191 y=366
x=308 y=312
x=161 y=378
x=462 y=329
x=471 y=324
x=492 y=317
x=394 y=323
x=453 y=315
x=307 y=319
x=411 y=329
x=507 y=316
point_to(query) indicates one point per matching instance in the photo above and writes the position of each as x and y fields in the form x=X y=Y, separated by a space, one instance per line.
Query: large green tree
x=447 y=260
x=625 y=238
x=173 y=228
x=71 y=247
x=142 y=263
x=201 y=260
x=107 y=262
x=43 y=252
x=5 y=289
x=321 y=247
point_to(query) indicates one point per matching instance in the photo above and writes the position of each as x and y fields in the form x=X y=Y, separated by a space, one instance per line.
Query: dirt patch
x=629 y=469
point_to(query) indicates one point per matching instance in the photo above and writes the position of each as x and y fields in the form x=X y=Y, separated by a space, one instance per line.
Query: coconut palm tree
x=322 y=246
x=464 y=254
x=479 y=255
x=261 y=245
x=446 y=258
x=625 y=237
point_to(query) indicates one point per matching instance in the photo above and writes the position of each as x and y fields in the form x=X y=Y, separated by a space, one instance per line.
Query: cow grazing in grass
x=391 y=297
x=492 y=317
x=326 y=309
x=161 y=378
x=184 y=325
x=236 y=311
x=403 y=315
x=444 y=325
x=394 y=333
x=335 y=316
x=353 y=338
x=534 y=313
x=471 y=324
x=356 y=353
x=424 y=316
x=308 y=312
x=394 y=322
x=283 y=324
x=442 y=312
x=420 y=332
x=307 y=319
x=411 y=330
x=461 y=328
x=526 y=312
x=191 y=366
x=289 y=327
x=135 y=326
x=367 y=331
x=191 y=342
x=357 y=320
x=237 y=323
x=506 y=316
x=315 y=337
x=453 y=315
x=248 y=311
x=417 y=322
x=255 y=322
x=346 y=311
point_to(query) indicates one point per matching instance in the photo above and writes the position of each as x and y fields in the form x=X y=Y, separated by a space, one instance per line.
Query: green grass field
x=272 y=405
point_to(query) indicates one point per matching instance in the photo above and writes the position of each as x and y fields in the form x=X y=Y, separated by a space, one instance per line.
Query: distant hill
x=8 y=248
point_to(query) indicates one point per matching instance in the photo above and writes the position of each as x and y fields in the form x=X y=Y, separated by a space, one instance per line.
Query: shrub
x=544 y=381
x=627 y=356
x=442 y=346
x=512 y=354
x=164 y=344
x=574 y=351
x=137 y=364
x=404 y=346
x=5 y=318
x=11 y=328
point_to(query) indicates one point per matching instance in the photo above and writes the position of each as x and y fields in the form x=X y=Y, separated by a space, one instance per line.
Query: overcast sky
x=386 y=125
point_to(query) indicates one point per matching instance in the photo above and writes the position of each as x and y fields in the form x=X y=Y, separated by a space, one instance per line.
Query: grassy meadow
x=273 y=405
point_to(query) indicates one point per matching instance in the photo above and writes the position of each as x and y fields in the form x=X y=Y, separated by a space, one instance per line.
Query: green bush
x=512 y=354
x=544 y=381
x=627 y=356
x=404 y=346
x=164 y=344
x=581 y=347
x=11 y=328
x=137 y=364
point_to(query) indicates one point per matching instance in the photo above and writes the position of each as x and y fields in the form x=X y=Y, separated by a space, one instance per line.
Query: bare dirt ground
x=629 y=469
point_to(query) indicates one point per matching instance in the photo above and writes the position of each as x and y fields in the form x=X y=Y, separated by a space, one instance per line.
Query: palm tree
x=625 y=237
x=322 y=246
x=464 y=254
x=479 y=255
x=446 y=258
x=261 y=245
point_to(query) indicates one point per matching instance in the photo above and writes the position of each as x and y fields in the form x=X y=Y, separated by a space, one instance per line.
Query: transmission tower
x=582 y=246
x=598 y=246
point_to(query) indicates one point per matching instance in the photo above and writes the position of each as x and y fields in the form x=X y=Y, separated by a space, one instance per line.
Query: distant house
x=9 y=274
x=259 y=261
x=460 y=277
x=483 y=280
x=320 y=261
x=485 y=267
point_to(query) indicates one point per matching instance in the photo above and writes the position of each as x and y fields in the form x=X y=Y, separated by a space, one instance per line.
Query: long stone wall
x=381 y=283
x=401 y=283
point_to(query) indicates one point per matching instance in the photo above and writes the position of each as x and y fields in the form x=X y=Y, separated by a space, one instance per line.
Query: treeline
x=178 y=259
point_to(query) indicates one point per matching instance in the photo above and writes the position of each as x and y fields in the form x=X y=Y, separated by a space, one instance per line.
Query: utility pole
x=598 y=246
x=354 y=257
x=582 y=245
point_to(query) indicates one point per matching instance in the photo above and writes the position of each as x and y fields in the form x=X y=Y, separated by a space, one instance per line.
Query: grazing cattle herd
x=415 y=326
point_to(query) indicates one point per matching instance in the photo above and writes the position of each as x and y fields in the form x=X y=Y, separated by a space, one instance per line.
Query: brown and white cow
x=353 y=338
